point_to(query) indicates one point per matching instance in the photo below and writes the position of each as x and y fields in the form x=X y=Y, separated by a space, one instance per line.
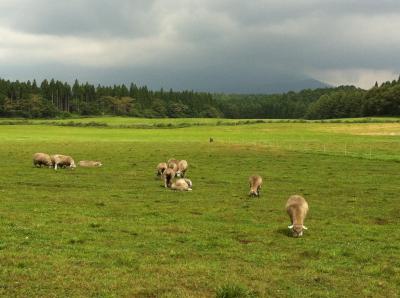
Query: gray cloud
x=98 y=18
x=212 y=45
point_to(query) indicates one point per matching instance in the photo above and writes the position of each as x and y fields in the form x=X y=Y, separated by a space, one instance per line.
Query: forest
x=53 y=99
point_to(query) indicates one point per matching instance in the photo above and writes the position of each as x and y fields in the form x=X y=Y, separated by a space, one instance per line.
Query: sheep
x=182 y=184
x=62 y=161
x=40 y=159
x=90 y=163
x=297 y=208
x=168 y=175
x=182 y=168
x=161 y=167
x=173 y=164
x=255 y=182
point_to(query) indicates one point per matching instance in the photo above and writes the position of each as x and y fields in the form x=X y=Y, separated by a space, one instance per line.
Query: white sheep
x=255 y=182
x=161 y=167
x=168 y=175
x=90 y=163
x=40 y=159
x=62 y=161
x=182 y=168
x=182 y=184
x=297 y=208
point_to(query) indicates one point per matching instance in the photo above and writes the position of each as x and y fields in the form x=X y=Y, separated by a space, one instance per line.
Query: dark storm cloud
x=81 y=18
x=212 y=45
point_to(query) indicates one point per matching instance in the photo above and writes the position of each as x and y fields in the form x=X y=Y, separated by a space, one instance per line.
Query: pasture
x=116 y=231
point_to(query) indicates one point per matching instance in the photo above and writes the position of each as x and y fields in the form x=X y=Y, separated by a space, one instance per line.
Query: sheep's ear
x=305 y=228
x=290 y=227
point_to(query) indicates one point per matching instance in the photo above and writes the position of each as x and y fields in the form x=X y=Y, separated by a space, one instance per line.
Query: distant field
x=115 y=231
x=129 y=121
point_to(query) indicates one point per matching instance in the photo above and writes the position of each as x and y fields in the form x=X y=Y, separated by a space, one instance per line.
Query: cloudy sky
x=213 y=45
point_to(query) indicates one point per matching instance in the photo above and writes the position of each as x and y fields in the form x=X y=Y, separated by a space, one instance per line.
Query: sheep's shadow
x=284 y=231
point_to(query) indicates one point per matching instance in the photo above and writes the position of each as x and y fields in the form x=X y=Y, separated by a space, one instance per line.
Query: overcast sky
x=215 y=45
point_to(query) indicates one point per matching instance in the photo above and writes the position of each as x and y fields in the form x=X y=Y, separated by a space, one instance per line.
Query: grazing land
x=115 y=231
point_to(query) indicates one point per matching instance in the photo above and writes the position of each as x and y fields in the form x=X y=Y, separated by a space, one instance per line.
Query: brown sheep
x=182 y=168
x=161 y=167
x=297 y=208
x=182 y=185
x=40 y=159
x=90 y=163
x=255 y=185
x=62 y=161
x=168 y=175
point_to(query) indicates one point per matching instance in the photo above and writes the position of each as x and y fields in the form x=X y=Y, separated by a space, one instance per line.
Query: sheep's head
x=72 y=165
x=189 y=183
x=297 y=230
x=254 y=193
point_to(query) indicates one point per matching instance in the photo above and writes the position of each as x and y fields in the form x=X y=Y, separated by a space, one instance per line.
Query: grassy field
x=115 y=231
x=165 y=122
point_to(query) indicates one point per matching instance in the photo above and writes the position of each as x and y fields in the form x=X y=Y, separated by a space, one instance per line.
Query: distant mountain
x=290 y=85
x=209 y=79
x=248 y=84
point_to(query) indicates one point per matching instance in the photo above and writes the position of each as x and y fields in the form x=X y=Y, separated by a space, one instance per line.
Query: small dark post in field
x=211 y=140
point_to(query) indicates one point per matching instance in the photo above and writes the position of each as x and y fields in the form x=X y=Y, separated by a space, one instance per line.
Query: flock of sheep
x=171 y=169
x=61 y=161
x=296 y=206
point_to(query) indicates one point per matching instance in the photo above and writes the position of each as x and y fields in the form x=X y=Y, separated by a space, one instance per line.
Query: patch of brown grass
x=372 y=129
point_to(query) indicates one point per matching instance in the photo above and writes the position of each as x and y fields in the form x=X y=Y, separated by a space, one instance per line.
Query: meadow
x=116 y=231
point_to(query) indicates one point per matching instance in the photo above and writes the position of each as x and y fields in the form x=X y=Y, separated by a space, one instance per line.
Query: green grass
x=115 y=231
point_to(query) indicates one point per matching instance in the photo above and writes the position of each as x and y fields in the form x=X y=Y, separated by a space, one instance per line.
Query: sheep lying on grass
x=90 y=163
x=182 y=184
x=255 y=185
x=297 y=208
x=42 y=159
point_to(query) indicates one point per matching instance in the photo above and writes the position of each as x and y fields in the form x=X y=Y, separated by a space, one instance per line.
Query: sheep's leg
x=55 y=167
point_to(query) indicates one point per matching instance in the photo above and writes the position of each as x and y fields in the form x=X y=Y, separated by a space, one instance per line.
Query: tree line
x=60 y=99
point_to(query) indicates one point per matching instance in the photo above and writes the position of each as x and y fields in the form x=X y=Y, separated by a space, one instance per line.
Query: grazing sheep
x=182 y=168
x=40 y=159
x=255 y=185
x=161 y=167
x=168 y=175
x=62 y=161
x=297 y=209
x=182 y=185
x=173 y=164
x=90 y=163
